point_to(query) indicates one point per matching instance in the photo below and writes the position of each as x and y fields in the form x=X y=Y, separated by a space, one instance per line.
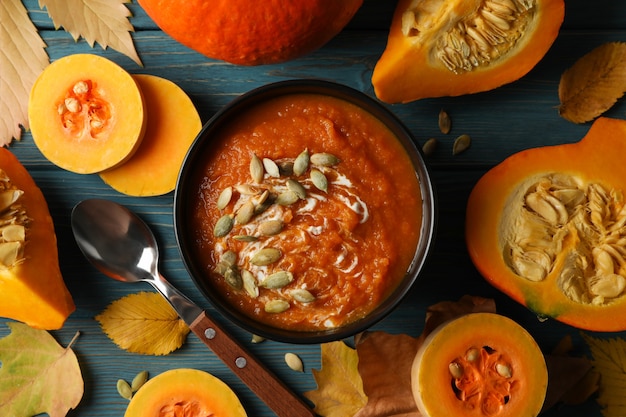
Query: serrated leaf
x=37 y=374
x=609 y=358
x=143 y=323
x=102 y=21
x=22 y=58
x=339 y=390
x=594 y=83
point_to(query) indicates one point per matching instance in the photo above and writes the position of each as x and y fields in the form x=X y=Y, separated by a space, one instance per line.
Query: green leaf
x=37 y=374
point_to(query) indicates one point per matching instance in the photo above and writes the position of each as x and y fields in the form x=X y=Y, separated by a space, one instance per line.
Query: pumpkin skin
x=454 y=342
x=597 y=158
x=191 y=390
x=34 y=291
x=108 y=120
x=409 y=68
x=248 y=32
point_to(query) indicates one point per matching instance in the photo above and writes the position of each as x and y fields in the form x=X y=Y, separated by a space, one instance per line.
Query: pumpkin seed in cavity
x=287 y=198
x=276 y=306
x=294 y=362
x=138 y=381
x=271 y=168
x=324 y=159
x=301 y=164
x=270 y=227
x=265 y=256
x=302 y=295
x=445 y=123
x=232 y=276
x=124 y=389
x=257 y=172
x=224 y=198
x=319 y=180
x=245 y=213
x=277 y=280
x=461 y=144
x=249 y=283
x=297 y=188
x=224 y=225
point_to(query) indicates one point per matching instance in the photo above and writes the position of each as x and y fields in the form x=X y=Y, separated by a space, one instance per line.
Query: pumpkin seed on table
x=429 y=146
x=294 y=362
x=124 y=389
x=138 y=381
x=445 y=123
x=461 y=144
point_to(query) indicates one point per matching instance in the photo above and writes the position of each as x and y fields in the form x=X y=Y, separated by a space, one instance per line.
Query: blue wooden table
x=503 y=121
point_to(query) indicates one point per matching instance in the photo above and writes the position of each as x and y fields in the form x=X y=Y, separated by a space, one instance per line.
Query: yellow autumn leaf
x=143 y=323
x=339 y=390
x=104 y=22
x=22 y=58
x=594 y=83
x=609 y=359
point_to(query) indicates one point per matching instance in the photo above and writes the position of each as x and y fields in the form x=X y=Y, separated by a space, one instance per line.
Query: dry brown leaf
x=22 y=58
x=104 y=22
x=594 y=83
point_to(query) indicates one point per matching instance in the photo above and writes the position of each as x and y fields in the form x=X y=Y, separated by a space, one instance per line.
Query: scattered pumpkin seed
x=138 y=381
x=265 y=203
x=247 y=189
x=257 y=172
x=445 y=123
x=271 y=168
x=429 y=146
x=224 y=225
x=302 y=295
x=286 y=168
x=245 y=213
x=319 y=180
x=324 y=159
x=257 y=339
x=277 y=280
x=229 y=257
x=294 y=362
x=276 y=306
x=287 y=198
x=271 y=227
x=249 y=283
x=265 y=256
x=297 y=188
x=232 y=276
x=301 y=164
x=124 y=389
x=246 y=238
x=461 y=144
x=224 y=198
x=221 y=267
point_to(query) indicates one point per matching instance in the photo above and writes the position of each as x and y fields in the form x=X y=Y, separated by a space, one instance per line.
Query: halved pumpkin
x=86 y=113
x=482 y=365
x=185 y=392
x=441 y=48
x=547 y=226
x=32 y=289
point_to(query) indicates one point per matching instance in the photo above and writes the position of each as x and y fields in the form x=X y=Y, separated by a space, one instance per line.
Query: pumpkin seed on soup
x=276 y=306
x=297 y=188
x=286 y=198
x=277 y=280
x=224 y=225
x=257 y=171
x=319 y=180
x=270 y=227
x=324 y=159
x=301 y=164
x=271 y=168
x=224 y=198
x=265 y=256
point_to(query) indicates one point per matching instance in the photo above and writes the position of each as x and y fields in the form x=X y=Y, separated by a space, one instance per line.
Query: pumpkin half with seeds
x=547 y=226
x=32 y=289
x=449 y=48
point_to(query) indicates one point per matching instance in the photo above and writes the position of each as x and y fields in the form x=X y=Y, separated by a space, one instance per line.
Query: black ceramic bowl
x=185 y=187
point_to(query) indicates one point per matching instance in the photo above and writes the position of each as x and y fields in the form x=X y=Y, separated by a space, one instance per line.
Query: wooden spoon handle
x=283 y=401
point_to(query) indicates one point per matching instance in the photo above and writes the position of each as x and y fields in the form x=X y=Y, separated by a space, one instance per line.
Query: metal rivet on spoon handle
x=121 y=245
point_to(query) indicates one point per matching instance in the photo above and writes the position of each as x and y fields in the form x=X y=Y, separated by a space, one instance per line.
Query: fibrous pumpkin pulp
x=481 y=365
x=249 y=32
x=547 y=226
x=32 y=289
x=441 y=48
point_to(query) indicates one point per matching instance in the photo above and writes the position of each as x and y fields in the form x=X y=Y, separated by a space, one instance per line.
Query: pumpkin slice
x=173 y=125
x=248 y=32
x=546 y=227
x=185 y=392
x=441 y=48
x=86 y=113
x=480 y=364
x=32 y=289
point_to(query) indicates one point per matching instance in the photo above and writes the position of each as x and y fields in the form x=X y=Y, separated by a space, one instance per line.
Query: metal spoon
x=121 y=245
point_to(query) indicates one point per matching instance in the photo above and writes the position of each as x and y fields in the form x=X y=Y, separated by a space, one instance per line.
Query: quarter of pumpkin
x=441 y=48
x=32 y=289
x=547 y=227
x=86 y=113
x=247 y=32
x=482 y=365
x=185 y=392
x=173 y=124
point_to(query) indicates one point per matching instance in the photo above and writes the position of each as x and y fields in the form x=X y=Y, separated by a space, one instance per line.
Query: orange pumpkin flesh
x=32 y=290
x=248 y=32
x=185 y=392
x=172 y=126
x=86 y=113
x=481 y=364
x=575 y=288
x=441 y=48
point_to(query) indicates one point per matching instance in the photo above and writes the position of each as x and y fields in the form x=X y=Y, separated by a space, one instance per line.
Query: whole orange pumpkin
x=247 y=32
